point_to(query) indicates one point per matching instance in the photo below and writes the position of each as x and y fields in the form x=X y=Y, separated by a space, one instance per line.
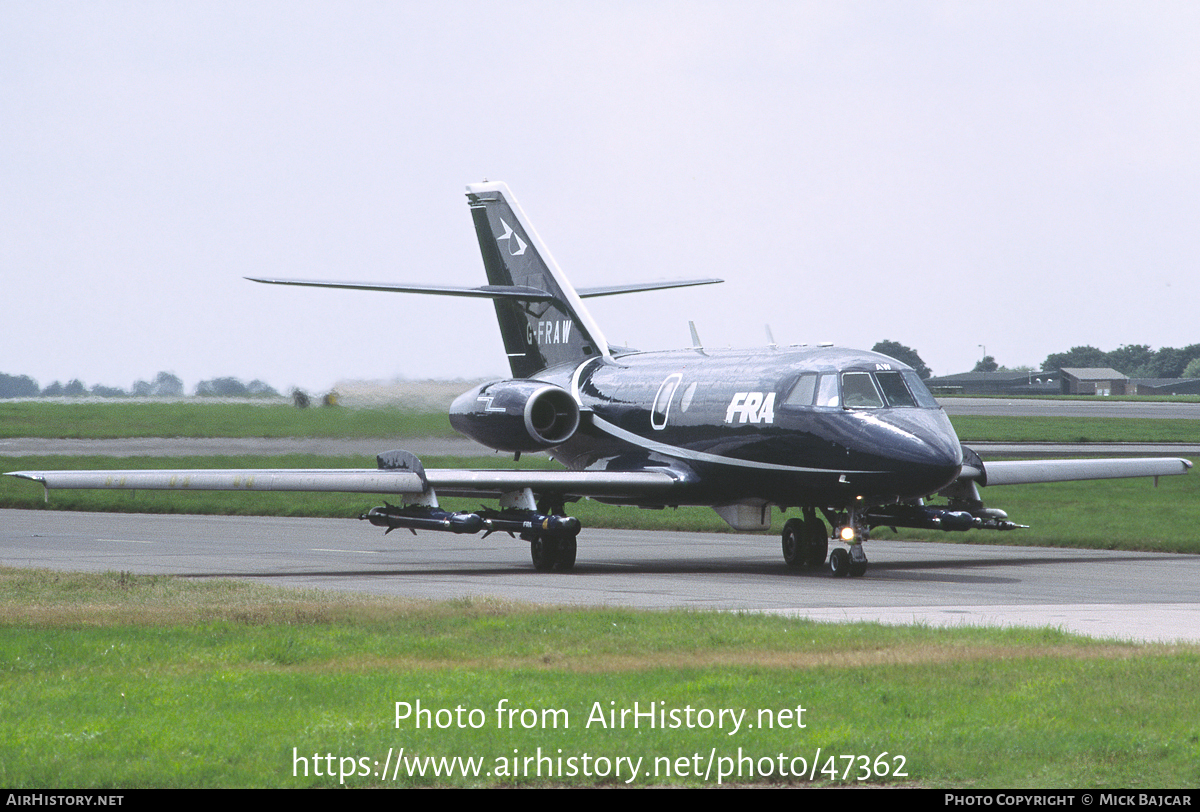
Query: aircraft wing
x=446 y=482
x=1024 y=472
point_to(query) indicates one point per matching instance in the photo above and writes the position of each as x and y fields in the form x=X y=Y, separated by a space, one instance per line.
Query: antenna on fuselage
x=696 y=344
x=771 y=338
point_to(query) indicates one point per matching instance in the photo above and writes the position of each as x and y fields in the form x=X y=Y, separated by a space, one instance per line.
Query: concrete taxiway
x=1124 y=595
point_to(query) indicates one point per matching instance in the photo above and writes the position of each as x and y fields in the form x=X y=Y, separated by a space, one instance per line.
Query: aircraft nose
x=938 y=446
x=922 y=448
x=944 y=458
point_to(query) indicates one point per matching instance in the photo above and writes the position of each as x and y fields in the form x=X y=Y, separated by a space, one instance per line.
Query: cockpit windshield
x=894 y=390
x=859 y=392
x=919 y=390
x=898 y=389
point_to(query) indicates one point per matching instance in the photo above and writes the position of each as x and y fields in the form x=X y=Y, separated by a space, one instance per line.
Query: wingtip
x=32 y=476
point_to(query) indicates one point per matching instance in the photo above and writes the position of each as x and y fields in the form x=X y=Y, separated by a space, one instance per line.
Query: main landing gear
x=805 y=541
x=806 y=544
x=550 y=533
x=552 y=543
x=549 y=553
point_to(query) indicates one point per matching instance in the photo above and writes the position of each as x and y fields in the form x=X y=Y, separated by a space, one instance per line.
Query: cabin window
x=662 y=401
x=804 y=390
x=685 y=402
x=859 y=392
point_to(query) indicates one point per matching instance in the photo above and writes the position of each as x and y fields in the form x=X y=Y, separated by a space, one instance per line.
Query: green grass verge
x=117 y=680
x=202 y=419
x=979 y=428
x=1081 y=398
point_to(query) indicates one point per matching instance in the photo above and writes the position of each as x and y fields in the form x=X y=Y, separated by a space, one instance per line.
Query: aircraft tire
x=794 y=546
x=839 y=563
x=816 y=543
x=858 y=569
x=566 y=554
x=544 y=552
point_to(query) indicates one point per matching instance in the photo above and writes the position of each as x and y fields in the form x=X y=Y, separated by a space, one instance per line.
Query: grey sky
x=1018 y=175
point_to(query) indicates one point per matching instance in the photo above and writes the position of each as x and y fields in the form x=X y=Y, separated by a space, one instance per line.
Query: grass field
x=119 y=680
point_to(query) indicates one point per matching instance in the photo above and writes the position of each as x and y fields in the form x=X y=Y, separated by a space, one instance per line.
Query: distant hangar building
x=1166 y=386
x=1105 y=381
x=1067 y=381
x=996 y=383
x=1094 y=381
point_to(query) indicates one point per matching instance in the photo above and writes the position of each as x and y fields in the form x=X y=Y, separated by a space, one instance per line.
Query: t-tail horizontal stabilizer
x=519 y=293
x=543 y=322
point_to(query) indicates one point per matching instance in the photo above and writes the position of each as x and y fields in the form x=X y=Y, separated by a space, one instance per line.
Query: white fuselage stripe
x=703 y=456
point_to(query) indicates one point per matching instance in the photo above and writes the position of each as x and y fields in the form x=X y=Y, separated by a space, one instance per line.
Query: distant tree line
x=165 y=384
x=906 y=355
x=233 y=388
x=989 y=364
x=1134 y=360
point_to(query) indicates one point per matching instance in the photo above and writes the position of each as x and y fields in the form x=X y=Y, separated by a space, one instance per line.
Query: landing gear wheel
x=816 y=542
x=566 y=554
x=550 y=554
x=793 y=544
x=805 y=542
x=839 y=562
x=858 y=561
x=545 y=553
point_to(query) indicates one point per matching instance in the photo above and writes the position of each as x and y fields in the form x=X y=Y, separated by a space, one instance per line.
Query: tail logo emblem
x=511 y=235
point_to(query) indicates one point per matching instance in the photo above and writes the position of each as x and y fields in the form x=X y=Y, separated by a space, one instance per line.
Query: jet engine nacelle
x=517 y=415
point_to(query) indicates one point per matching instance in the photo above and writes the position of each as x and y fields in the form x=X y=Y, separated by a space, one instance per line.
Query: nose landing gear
x=806 y=543
x=852 y=561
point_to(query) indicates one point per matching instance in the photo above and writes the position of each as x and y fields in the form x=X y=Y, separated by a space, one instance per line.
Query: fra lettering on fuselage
x=751 y=407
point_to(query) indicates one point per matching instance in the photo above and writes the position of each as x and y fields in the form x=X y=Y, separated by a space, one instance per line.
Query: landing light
x=847 y=533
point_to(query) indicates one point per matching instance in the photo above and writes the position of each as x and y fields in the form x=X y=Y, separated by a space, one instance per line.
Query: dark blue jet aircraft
x=849 y=435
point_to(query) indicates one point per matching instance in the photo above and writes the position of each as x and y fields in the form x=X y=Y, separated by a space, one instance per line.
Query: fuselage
x=820 y=427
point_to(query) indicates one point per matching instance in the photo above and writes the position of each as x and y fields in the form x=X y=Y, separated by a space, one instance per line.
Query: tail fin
x=537 y=334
